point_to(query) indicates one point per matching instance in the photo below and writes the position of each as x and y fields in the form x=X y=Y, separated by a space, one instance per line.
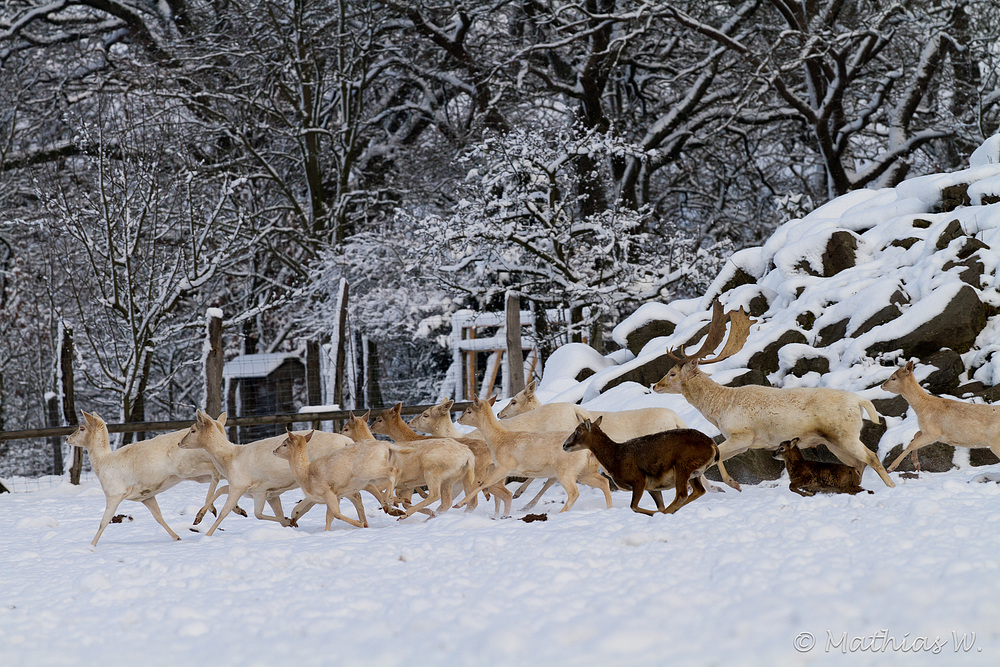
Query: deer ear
x=909 y=366
x=398 y=408
x=597 y=422
x=309 y=435
x=366 y=416
x=493 y=399
x=530 y=389
x=448 y=403
x=222 y=419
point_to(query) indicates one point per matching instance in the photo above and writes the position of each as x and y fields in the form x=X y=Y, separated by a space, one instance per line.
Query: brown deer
x=653 y=462
x=807 y=478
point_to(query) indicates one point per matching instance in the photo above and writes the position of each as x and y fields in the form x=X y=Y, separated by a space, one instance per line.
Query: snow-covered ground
x=762 y=577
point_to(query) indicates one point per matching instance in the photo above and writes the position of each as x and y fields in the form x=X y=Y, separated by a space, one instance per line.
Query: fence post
x=69 y=398
x=515 y=355
x=52 y=421
x=213 y=363
x=314 y=387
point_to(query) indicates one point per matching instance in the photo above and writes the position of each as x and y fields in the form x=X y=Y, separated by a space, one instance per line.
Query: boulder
x=831 y=333
x=804 y=365
x=840 y=253
x=645 y=374
x=638 y=337
x=891 y=407
x=954 y=196
x=766 y=361
x=937 y=457
x=971 y=272
x=945 y=379
x=951 y=232
x=956 y=326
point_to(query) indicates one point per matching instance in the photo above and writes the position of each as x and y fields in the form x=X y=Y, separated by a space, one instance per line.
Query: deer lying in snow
x=251 y=469
x=438 y=463
x=533 y=454
x=653 y=462
x=807 y=478
x=390 y=422
x=345 y=472
x=764 y=417
x=956 y=423
x=140 y=470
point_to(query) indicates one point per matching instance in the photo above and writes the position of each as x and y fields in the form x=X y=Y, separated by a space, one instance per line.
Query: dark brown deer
x=654 y=462
x=807 y=478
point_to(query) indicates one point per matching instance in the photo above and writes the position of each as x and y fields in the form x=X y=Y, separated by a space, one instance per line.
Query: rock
x=945 y=379
x=840 y=254
x=920 y=223
x=906 y=243
x=647 y=374
x=804 y=365
x=752 y=376
x=751 y=467
x=983 y=457
x=884 y=316
x=638 y=337
x=766 y=361
x=806 y=320
x=832 y=333
x=970 y=246
x=971 y=273
x=872 y=432
x=956 y=326
x=937 y=457
x=954 y=196
x=951 y=232
x=891 y=407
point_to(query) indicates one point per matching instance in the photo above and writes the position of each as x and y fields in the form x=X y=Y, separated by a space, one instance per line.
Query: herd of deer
x=644 y=450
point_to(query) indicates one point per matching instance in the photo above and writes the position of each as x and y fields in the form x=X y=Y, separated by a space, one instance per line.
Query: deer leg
x=598 y=481
x=210 y=504
x=736 y=443
x=301 y=508
x=568 y=482
x=231 y=498
x=355 y=499
x=637 y=488
x=680 y=493
x=522 y=487
x=697 y=491
x=497 y=475
x=333 y=510
x=501 y=494
x=154 y=509
x=545 y=487
x=109 y=513
x=657 y=497
x=921 y=439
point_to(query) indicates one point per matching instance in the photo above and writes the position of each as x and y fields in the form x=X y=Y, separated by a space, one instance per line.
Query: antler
x=739 y=331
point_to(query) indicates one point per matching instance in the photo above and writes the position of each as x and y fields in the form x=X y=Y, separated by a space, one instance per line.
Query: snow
x=731 y=578
x=256 y=365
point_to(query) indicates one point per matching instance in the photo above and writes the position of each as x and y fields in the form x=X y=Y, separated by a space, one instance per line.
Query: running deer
x=140 y=470
x=345 y=472
x=533 y=454
x=764 y=417
x=652 y=462
x=250 y=469
x=437 y=463
x=972 y=425
x=391 y=423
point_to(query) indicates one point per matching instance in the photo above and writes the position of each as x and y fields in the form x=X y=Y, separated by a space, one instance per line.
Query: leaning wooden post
x=68 y=398
x=314 y=385
x=515 y=356
x=52 y=421
x=213 y=363
x=339 y=338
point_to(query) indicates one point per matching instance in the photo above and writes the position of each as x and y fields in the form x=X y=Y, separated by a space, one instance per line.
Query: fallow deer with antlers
x=764 y=417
